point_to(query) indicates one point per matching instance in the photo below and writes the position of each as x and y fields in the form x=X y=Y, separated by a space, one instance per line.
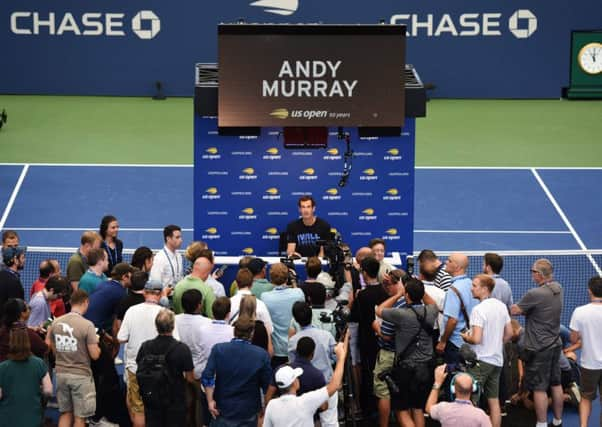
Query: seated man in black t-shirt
x=302 y=235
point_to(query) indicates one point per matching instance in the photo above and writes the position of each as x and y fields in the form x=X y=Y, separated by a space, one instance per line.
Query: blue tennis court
x=466 y=209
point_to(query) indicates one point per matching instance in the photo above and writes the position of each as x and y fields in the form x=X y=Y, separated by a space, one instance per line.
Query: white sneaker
x=118 y=361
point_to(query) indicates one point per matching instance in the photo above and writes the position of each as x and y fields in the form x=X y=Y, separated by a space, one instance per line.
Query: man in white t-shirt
x=290 y=410
x=138 y=326
x=244 y=280
x=167 y=263
x=585 y=326
x=490 y=328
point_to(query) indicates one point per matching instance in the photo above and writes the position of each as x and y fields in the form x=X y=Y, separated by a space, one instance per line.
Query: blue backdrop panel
x=577 y=193
x=495 y=49
x=246 y=188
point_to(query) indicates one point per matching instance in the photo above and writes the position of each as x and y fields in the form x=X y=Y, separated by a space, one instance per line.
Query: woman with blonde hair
x=261 y=338
x=23 y=379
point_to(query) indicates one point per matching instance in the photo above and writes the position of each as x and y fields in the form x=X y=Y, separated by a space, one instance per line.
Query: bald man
x=457 y=307
x=460 y=412
x=196 y=280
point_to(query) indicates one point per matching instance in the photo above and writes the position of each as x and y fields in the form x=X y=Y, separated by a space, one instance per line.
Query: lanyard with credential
x=173 y=272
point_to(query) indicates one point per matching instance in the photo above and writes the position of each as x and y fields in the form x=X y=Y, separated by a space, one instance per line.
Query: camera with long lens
x=292 y=273
x=338 y=254
x=339 y=316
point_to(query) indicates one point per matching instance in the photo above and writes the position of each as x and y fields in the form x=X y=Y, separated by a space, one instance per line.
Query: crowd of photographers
x=431 y=341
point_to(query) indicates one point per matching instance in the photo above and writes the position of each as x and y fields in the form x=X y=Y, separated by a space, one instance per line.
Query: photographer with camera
x=460 y=412
x=322 y=317
x=489 y=329
x=385 y=332
x=414 y=353
x=303 y=234
x=363 y=312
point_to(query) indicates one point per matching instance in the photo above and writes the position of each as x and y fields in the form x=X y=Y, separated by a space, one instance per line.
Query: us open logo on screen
x=278 y=7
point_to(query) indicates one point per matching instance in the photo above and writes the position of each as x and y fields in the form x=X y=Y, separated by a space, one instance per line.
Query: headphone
x=452 y=386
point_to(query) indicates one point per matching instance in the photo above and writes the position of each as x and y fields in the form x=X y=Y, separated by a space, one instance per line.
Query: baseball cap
x=11 y=252
x=286 y=374
x=153 y=285
x=256 y=265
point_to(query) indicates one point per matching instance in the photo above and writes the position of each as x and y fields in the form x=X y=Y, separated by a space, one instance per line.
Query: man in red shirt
x=49 y=268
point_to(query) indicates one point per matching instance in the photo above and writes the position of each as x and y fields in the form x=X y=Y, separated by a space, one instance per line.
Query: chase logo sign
x=211 y=194
x=522 y=24
x=278 y=7
x=145 y=24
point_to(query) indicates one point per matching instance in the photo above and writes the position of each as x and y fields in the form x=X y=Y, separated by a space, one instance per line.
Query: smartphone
x=223 y=267
x=464 y=330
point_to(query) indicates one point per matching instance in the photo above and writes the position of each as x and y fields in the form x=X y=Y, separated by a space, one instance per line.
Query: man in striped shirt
x=385 y=359
x=430 y=263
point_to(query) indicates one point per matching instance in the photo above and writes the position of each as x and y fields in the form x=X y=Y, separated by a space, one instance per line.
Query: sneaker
x=118 y=360
x=574 y=394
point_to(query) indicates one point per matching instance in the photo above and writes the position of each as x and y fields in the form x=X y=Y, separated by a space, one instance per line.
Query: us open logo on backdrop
x=145 y=24
x=278 y=7
x=211 y=233
x=271 y=234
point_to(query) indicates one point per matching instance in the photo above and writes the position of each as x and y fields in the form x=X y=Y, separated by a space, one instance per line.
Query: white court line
x=142 y=165
x=86 y=229
x=493 y=231
x=13 y=196
x=190 y=229
x=565 y=219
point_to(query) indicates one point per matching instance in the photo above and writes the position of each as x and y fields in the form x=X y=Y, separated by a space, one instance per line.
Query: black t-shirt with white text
x=306 y=237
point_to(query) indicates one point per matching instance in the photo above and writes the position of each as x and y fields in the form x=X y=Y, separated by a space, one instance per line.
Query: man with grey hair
x=542 y=307
x=164 y=358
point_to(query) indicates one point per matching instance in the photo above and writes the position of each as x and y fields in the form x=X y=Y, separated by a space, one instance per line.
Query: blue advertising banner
x=246 y=188
x=492 y=49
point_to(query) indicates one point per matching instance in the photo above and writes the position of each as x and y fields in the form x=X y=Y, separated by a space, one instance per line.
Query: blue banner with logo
x=246 y=188
x=487 y=49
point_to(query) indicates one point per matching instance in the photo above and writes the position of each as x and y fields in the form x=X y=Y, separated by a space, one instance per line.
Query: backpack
x=155 y=379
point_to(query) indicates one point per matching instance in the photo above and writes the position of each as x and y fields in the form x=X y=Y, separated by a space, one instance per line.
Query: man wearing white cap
x=290 y=410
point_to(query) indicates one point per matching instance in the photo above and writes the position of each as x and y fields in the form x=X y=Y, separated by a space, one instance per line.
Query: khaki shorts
x=133 y=394
x=77 y=394
x=488 y=377
x=384 y=362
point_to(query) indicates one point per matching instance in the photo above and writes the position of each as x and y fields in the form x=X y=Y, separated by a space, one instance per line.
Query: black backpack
x=155 y=379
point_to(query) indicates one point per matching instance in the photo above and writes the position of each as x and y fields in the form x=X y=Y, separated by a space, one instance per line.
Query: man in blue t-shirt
x=104 y=302
x=456 y=308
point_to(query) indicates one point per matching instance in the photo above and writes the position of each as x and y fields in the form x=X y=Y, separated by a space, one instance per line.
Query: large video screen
x=311 y=75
